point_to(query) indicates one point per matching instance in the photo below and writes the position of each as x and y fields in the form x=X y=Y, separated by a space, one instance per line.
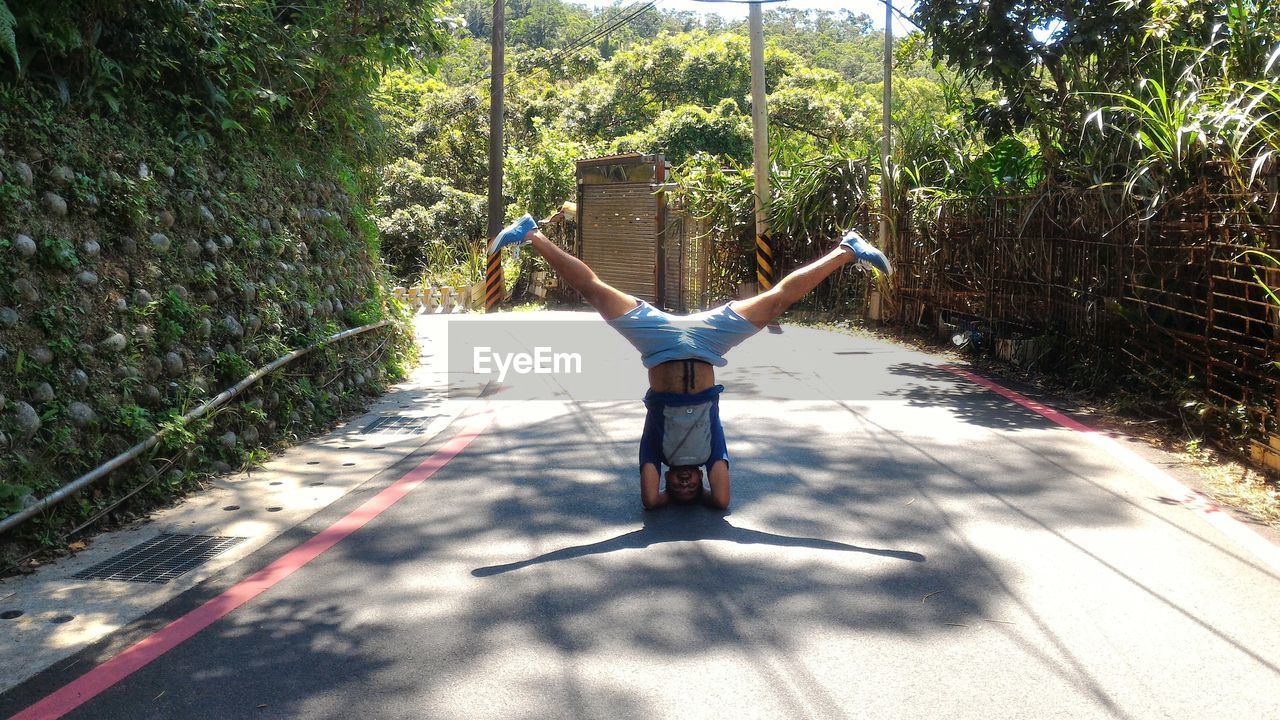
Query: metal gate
x=630 y=237
x=620 y=236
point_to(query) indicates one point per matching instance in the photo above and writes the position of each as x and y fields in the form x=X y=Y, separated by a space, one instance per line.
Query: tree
x=1040 y=55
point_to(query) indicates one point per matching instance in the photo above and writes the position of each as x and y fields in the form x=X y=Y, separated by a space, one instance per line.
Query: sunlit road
x=902 y=544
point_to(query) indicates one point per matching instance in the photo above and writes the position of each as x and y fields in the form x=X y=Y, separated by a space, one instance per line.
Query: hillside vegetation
x=185 y=195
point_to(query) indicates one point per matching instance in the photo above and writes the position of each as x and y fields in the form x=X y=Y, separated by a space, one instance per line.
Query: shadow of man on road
x=687 y=525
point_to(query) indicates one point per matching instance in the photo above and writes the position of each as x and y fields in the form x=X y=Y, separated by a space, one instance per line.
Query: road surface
x=903 y=543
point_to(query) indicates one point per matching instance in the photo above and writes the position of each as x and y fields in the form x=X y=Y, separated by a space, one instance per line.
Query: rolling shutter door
x=619 y=236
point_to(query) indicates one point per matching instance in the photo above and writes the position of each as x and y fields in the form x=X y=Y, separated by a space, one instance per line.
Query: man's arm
x=718 y=478
x=651 y=494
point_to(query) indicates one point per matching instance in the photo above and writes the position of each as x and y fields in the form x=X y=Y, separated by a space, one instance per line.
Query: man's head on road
x=684 y=484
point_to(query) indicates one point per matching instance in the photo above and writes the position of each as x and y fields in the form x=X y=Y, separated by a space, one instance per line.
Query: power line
x=603 y=28
x=896 y=11
x=582 y=41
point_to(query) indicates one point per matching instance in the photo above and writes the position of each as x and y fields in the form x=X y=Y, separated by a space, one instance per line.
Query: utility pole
x=760 y=135
x=886 y=170
x=494 y=286
x=875 y=311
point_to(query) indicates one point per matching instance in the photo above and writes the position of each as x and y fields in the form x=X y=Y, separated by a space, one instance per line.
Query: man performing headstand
x=682 y=428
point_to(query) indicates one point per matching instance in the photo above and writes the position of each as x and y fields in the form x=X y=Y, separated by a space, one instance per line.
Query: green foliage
x=223 y=67
x=687 y=130
x=670 y=83
x=1010 y=166
x=819 y=197
x=137 y=420
x=541 y=177
x=60 y=253
x=11 y=496
x=1039 y=53
x=424 y=220
x=8 y=40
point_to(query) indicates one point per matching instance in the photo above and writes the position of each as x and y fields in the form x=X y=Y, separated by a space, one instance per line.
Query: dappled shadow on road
x=688 y=525
x=572 y=477
x=932 y=387
x=525 y=581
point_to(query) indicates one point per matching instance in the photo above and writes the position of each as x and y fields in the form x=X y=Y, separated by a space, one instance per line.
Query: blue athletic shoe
x=867 y=254
x=514 y=234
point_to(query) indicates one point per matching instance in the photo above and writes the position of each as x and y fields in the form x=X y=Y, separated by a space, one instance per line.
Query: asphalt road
x=902 y=544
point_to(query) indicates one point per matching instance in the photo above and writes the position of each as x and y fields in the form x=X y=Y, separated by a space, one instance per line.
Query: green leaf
x=8 y=40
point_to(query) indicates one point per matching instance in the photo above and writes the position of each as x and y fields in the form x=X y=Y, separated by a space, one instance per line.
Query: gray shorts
x=661 y=337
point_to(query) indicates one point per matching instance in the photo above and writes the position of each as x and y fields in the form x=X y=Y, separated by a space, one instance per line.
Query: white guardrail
x=430 y=299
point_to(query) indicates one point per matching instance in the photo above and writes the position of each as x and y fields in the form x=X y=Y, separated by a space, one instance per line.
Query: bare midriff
x=682 y=376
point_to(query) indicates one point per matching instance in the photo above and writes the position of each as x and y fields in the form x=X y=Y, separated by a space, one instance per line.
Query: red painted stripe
x=1193 y=500
x=102 y=677
x=1019 y=398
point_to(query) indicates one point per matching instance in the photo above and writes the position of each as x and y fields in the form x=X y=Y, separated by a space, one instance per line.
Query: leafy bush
x=222 y=66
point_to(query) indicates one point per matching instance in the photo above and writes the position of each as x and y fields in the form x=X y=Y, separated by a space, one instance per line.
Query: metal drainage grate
x=398 y=424
x=161 y=558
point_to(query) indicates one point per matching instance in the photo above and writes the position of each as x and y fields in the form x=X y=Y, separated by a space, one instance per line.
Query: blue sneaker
x=867 y=254
x=514 y=234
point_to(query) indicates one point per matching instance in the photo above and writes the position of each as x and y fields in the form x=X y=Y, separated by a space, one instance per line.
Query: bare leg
x=609 y=301
x=763 y=308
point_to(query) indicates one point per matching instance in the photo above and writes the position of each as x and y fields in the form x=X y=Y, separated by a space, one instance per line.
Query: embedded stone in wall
x=27 y=420
x=233 y=327
x=62 y=175
x=141 y=298
x=25 y=290
x=160 y=241
x=173 y=364
x=149 y=395
x=81 y=414
x=78 y=379
x=8 y=317
x=42 y=393
x=87 y=278
x=115 y=342
x=54 y=203
x=90 y=248
x=24 y=173
x=24 y=246
x=40 y=355
x=165 y=219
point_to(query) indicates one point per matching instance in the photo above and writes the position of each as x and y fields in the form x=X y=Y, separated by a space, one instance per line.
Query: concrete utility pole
x=760 y=135
x=886 y=182
x=493 y=284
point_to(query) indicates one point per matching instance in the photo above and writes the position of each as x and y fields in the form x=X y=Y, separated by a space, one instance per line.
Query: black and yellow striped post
x=494 y=287
x=764 y=263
